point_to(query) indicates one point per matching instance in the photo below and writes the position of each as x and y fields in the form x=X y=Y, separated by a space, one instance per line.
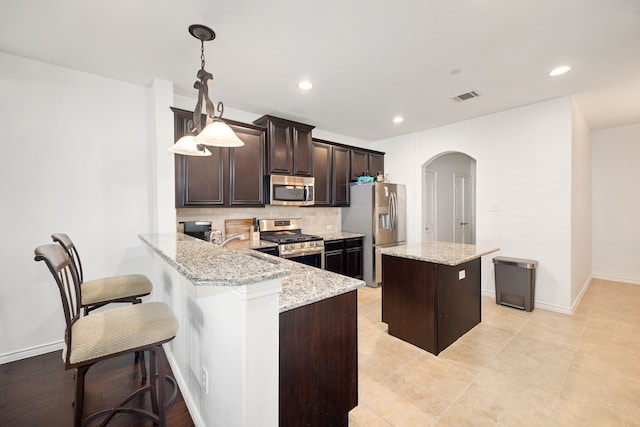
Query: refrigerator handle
x=392 y=210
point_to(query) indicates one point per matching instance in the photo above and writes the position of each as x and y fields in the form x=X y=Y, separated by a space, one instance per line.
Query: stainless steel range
x=292 y=244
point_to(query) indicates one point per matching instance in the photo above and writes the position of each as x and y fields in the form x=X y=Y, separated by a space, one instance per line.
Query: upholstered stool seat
x=115 y=289
x=117 y=331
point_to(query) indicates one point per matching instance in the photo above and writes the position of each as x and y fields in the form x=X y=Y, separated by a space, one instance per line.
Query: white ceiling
x=369 y=60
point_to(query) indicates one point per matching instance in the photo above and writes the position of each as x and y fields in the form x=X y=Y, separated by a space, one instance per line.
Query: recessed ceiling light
x=305 y=85
x=559 y=71
x=398 y=119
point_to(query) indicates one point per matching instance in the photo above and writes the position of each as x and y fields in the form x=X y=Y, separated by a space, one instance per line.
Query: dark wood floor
x=39 y=392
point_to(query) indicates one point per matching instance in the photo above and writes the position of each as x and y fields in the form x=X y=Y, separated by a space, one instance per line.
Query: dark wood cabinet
x=289 y=146
x=229 y=177
x=334 y=256
x=354 y=253
x=246 y=166
x=376 y=163
x=319 y=363
x=366 y=162
x=340 y=191
x=344 y=256
x=429 y=305
x=323 y=172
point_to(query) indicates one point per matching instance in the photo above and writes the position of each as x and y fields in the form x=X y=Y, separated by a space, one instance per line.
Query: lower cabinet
x=427 y=304
x=344 y=256
x=319 y=362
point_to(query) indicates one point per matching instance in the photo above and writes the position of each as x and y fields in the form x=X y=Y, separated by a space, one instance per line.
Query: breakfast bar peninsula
x=431 y=292
x=263 y=341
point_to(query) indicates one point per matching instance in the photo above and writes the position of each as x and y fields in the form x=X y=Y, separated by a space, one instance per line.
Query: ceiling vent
x=466 y=96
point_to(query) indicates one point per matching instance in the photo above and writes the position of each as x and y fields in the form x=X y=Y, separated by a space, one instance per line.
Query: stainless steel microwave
x=287 y=190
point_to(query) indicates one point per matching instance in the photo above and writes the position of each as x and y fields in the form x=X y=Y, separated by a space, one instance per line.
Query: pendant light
x=214 y=131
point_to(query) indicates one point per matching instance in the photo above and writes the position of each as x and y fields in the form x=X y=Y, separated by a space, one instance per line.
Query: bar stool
x=108 y=334
x=128 y=288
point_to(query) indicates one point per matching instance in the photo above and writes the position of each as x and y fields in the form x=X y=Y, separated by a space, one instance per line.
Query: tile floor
x=515 y=368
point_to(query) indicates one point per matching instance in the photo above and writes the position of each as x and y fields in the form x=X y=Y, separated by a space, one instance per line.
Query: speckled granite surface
x=337 y=235
x=446 y=253
x=205 y=264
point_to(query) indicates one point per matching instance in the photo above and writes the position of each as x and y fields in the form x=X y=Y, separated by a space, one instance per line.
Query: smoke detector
x=465 y=96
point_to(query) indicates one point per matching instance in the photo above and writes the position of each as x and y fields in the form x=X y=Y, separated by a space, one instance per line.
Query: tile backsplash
x=314 y=220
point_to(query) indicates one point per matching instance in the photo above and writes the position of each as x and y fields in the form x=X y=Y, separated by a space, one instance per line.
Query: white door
x=429 y=207
x=462 y=209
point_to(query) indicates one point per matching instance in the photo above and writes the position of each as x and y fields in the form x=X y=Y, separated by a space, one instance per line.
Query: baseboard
x=576 y=303
x=31 y=352
x=536 y=304
x=617 y=279
x=186 y=394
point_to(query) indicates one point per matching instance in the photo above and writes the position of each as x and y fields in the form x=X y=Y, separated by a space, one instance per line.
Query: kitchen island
x=431 y=292
x=262 y=340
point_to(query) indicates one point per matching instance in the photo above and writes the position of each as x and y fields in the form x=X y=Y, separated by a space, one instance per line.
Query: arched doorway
x=449 y=198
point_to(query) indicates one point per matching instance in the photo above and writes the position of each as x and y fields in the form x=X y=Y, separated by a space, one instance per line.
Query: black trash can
x=515 y=282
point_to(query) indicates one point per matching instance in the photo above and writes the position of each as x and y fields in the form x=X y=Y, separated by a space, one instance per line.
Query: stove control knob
x=302 y=245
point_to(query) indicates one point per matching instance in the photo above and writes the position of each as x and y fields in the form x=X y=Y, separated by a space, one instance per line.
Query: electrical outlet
x=462 y=274
x=204 y=379
x=329 y=227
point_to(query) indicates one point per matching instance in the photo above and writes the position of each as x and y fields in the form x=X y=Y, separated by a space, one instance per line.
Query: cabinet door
x=334 y=256
x=353 y=258
x=199 y=181
x=458 y=301
x=409 y=301
x=359 y=164
x=246 y=167
x=341 y=173
x=280 y=148
x=376 y=163
x=322 y=173
x=302 y=151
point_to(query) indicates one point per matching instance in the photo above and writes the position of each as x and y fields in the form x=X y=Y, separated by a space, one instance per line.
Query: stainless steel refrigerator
x=378 y=210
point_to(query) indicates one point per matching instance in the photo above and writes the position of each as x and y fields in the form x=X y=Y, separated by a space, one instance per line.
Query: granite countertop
x=446 y=253
x=237 y=264
x=338 y=235
x=207 y=264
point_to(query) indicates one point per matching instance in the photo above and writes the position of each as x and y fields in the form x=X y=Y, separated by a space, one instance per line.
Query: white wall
x=616 y=205
x=523 y=166
x=76 y=160
x=581 y=226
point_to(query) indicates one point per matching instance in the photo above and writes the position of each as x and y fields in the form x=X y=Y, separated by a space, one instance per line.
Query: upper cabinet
x=229 y=177
x=366 y=162
x=331 y=169
x=322 y=171
x=289 y=146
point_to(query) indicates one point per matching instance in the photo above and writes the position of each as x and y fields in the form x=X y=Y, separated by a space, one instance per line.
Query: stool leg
x=140 y=354
x=78 y=401
x=160 y=382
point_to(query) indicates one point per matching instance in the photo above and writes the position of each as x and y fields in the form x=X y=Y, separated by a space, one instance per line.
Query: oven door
x=314 y=259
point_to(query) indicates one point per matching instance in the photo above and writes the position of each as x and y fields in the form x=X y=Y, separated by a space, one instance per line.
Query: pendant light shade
x=219 y=134
x=187 y=146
